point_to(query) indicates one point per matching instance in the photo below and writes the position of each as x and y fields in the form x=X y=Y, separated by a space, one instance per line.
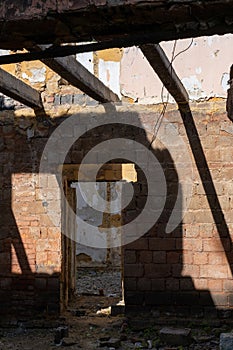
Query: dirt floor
x=101 y=331
x=91 y=325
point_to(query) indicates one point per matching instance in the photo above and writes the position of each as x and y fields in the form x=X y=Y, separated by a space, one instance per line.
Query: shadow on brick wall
x=153 y=264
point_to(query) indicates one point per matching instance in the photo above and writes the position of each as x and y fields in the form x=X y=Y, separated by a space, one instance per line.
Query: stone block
x=60 y=333
x=176 y=336
x=67 y=99
x=117 y=310
x=226 y=341
x=112 y=343
x=79 y=99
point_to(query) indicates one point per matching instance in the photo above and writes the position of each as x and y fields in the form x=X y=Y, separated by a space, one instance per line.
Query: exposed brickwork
x=183 y=269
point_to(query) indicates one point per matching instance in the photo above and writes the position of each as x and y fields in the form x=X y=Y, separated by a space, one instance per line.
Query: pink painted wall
x=203 y=69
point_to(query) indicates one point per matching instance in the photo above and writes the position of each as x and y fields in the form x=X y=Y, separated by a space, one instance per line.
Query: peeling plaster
x=193 y=86
x=202 y=68
x=198 y=70
x=86 y=59
x=224 y=81
x=109 y=74
x=37 y=75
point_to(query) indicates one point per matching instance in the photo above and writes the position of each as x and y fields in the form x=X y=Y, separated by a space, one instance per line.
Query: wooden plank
x=163 y=68
x=53 y=21
x=19 y=91
x=77 y=75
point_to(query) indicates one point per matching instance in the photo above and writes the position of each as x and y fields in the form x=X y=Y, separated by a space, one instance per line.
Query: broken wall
x=190 y=266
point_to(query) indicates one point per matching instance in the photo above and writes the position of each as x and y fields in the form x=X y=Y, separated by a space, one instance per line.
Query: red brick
x=145 y=256
x=172 y=284
x=212 y=245
x=187 y=257
x=207 y=230
x=140 y=244
x=215 y=285
x=201 y=283
x=130 y=284
x=216 y=258
x=144 y=284
x=193 y=244
x=228 y=285
x=159 y=257
x=193 y=270
x=220 y=299
x=173 y=257
x=130 y=257
x=162 y=243
x=191 y=231
x=200 y=258
x=158 y=284
x=186 y=283
x=133 y=270
x=157 y=270
x=212 y=271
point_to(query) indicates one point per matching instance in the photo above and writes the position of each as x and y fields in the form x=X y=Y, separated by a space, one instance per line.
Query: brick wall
x=190 y=269
x=185 y=269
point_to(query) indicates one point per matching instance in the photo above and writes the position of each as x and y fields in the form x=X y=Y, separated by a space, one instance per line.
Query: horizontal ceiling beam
x=45 y=22
x=19 y=91
x=68 y=50
x=77 y=75
x=163 y=68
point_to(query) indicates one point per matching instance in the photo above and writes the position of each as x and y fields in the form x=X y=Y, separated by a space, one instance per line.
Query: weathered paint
x=107 y=190
x=109 y=74
x=86 y=59
x=114 y=55
x=37 y=75
x=203 y=69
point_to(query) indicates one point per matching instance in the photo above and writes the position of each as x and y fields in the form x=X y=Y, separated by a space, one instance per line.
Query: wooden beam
x=68 y=50
x=19 y=91
x=163 y=68
x=77 y=75
x=45 y=22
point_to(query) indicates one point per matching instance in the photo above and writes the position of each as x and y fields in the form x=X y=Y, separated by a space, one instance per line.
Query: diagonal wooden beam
x=77 y=75
x=19 y=91
x=163 y=68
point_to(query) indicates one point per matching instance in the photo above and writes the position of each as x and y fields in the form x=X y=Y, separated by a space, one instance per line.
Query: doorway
x=96 y=273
